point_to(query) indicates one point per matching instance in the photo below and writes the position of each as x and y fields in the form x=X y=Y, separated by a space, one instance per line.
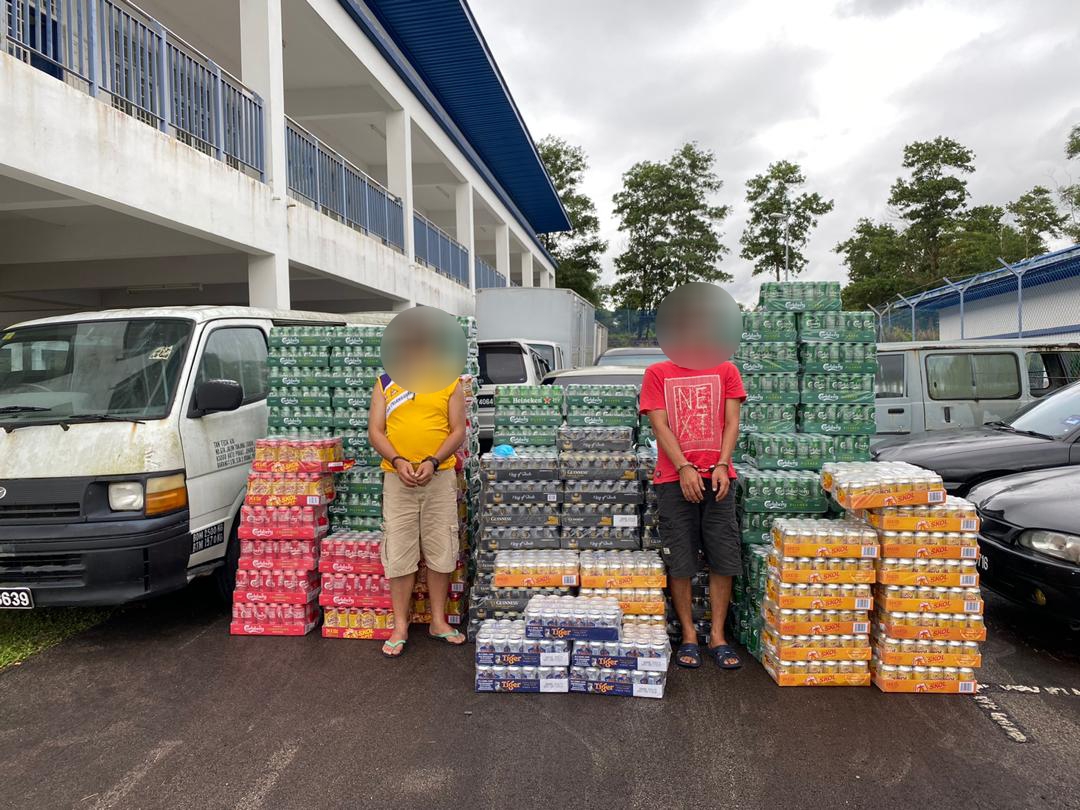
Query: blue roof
x=437 y=49
x=1056 y=266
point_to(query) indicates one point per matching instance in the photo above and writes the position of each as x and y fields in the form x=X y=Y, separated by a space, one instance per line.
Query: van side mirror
x=213 y=396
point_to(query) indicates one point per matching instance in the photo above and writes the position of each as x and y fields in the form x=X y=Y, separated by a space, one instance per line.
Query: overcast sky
x=838 y=86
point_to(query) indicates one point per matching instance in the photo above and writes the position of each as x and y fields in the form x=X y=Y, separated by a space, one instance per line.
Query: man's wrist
x=396 y=459
x=679 y=468
x=435 y=463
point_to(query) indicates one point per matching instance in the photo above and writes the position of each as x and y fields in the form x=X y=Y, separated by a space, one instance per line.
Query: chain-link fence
x=1032 y=298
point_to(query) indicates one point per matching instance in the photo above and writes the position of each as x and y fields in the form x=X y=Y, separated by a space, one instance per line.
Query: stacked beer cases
x=470 y=474
x=608 y=658
x=808 y=371
x=322 y=380
x=818 y=602
x=928 y=621
x=282 y=524
x=518 y=512
x=598 y=466
x=527 y=416
x=519 y=505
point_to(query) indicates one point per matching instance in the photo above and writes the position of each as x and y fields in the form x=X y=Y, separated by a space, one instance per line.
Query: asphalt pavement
x=160 y=707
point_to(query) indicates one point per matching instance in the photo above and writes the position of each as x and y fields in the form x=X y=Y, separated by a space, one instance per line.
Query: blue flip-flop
x=393 y=645
x=691 y=651
x=723 y=652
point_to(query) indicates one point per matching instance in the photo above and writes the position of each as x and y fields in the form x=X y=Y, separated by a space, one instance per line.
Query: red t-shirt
x=694 y=400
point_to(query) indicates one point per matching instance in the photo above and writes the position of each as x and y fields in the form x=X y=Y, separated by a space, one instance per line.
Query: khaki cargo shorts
x=420 y=520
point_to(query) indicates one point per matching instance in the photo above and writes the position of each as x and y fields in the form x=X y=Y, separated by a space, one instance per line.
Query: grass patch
x=25 y=632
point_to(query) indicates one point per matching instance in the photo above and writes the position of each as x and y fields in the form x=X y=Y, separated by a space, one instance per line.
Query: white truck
x=125 y=441
x=525 y=332
x=557 y=324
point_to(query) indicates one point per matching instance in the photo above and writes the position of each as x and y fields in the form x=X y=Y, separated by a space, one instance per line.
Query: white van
x=125 y=440
x=935 y=385
x=504 y=362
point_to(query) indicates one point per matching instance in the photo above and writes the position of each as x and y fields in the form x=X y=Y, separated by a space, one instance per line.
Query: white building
x=320 y=154
x=1044 y=303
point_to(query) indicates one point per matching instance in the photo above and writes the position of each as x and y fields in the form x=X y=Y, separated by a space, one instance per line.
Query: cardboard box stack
x=282 y=524
x=818 y=602
x=928 y=618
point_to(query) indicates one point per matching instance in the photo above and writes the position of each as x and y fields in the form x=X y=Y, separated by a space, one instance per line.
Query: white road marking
x=254 y=798
x=118 y=792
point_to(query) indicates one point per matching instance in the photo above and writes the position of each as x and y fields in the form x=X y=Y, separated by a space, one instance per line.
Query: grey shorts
x=689 y=528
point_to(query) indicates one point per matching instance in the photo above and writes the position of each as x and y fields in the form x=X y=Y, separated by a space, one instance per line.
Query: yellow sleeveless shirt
x=416 y=424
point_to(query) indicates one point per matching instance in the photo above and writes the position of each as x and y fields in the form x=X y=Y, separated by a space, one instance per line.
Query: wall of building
x=1047 y=308
x=141 y=196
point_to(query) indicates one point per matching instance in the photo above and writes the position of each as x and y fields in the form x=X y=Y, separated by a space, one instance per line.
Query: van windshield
x=125 y=369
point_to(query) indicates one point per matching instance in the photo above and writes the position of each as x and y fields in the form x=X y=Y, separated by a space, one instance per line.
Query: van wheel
x=225 y=575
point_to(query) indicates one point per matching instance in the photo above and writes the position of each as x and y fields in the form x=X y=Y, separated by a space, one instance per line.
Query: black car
x=1044 y=434
x=1030 y=539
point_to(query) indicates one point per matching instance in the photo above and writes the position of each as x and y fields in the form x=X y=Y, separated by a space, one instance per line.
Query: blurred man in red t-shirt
x=694 y=414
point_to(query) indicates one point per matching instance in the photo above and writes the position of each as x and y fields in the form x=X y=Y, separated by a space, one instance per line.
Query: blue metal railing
x=319 y=175
x=488 y=276
x=111 y=47
x=435 y=248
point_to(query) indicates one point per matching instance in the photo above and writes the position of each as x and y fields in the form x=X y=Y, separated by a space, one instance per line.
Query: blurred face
x=699 y=325
x=423 y=349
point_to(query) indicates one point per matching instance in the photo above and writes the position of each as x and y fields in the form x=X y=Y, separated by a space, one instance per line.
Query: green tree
x=1070 y=194
x=577 y=253
x=665 y=210
x=878 y=262
x=932 y=196
x=978 y=237
x=779 y=215
x=1037 y=215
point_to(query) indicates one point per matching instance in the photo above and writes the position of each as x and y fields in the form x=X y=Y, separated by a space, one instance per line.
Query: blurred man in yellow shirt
x=417 y=435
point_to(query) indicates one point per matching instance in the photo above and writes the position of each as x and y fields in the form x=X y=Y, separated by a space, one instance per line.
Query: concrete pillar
x=399 y=170
x=502 y=250
x=268 y=281
x=526 y=269
x=401 y=306
x=463 y=213
x=261 y=70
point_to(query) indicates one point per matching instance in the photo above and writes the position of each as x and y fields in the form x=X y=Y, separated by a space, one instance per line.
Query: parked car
x=935 y=385
x=1044 y=434
x=596 y=375
x=642 y=356
x=504 y=362
x=1030 y=539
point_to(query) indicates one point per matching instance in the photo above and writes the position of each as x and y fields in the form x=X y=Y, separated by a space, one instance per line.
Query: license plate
x=486 y=400
x=16 y=599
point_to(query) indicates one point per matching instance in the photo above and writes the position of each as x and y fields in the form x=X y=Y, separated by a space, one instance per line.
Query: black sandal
x=722 y=653
x=690 y=651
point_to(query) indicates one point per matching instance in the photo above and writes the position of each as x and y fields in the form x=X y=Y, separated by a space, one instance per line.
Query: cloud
x=839 y=88
x=873 y=8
